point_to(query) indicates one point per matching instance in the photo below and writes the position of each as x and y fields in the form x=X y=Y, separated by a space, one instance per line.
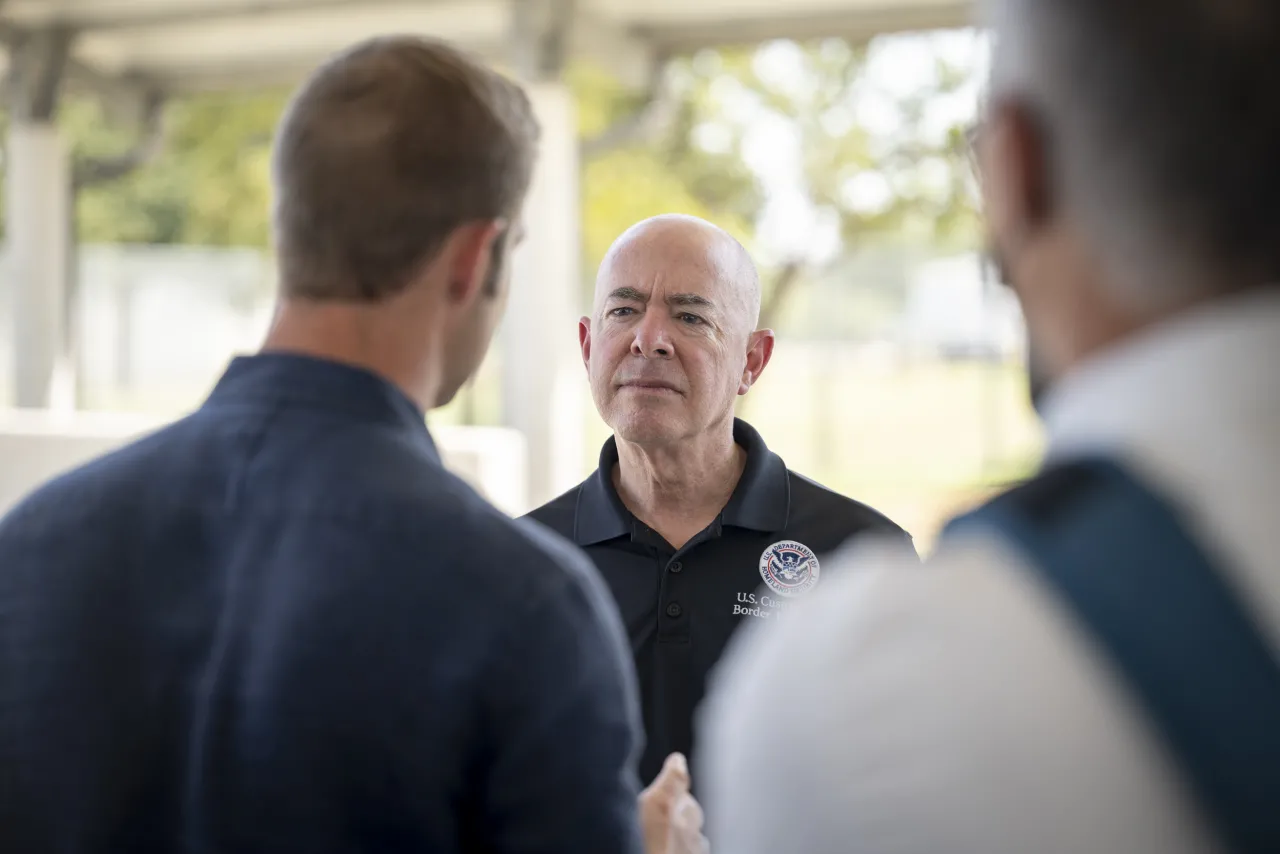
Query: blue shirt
x=280 y=625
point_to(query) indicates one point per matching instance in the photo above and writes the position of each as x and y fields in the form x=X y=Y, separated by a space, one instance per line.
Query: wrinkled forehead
x=673 y=261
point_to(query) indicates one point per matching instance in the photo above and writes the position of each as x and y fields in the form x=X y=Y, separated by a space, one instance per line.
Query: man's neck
x=679 y=489
x=363 y=336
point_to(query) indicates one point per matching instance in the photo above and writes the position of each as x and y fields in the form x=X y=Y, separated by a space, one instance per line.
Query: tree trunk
x=783 y=286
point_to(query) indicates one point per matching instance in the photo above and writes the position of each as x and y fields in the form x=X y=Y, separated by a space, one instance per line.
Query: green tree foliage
x=646 y=176
x=902 y=178
x=209 y=185
x=906 y=173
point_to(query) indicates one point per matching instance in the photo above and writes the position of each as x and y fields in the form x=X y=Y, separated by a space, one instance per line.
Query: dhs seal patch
x=789 y=568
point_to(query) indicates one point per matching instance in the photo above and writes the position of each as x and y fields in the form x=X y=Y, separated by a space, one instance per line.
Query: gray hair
x=1163 y=119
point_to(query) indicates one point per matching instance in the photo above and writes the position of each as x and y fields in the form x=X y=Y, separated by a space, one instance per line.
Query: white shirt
x=956 y=706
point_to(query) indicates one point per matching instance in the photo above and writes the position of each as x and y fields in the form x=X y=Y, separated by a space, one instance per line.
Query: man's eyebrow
x=629 y=294
x=690 y=299
x=633 y=295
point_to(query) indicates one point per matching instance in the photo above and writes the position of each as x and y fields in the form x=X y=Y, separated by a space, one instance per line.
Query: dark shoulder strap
x=1175 y=629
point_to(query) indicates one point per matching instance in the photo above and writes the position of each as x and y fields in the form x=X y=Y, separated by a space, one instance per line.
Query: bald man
x=694 y=523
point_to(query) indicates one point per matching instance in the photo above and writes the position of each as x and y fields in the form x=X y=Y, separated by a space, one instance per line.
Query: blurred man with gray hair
x=1089 y=662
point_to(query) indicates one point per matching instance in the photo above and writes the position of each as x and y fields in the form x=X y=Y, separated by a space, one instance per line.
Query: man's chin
x=643 y=426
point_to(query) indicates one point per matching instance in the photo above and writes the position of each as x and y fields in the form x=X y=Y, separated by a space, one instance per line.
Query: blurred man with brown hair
x=280 y=624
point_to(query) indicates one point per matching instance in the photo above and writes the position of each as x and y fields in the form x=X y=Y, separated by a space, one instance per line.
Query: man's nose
x=652 y=338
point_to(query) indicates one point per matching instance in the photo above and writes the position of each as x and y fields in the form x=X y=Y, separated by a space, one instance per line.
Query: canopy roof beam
x=192 y=45
x=36 y=71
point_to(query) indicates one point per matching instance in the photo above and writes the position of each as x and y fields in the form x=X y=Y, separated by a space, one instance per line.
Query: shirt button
x=674 y=610
x=676 y=567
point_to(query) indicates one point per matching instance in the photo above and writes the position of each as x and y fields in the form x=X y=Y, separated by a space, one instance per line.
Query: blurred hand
x=670 y=817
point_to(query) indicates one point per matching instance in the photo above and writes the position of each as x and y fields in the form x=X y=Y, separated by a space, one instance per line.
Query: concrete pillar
x=38 y=202
x=37 y=216
x=544 y=384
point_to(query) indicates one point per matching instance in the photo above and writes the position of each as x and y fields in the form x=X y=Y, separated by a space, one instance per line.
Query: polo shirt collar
x=762 y=499
x=760 y=502
x=600 y=514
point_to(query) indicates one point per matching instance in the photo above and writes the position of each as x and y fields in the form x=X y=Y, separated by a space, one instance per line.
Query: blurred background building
x=828 y=135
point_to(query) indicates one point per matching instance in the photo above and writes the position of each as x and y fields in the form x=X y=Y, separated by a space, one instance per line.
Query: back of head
x=385 y=151
x=1163 y=132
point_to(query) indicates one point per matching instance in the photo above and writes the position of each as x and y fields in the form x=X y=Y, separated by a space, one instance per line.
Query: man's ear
x=1018 y=197
x=467 y=254
x=584 y=339
x=759 y=352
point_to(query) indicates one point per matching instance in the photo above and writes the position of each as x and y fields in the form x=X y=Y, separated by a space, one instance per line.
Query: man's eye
x=618 y=312
x=690 y=318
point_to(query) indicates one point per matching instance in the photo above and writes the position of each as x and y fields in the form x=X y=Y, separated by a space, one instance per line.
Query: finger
x=688 y=813
x=687 y=842
x=674 y=778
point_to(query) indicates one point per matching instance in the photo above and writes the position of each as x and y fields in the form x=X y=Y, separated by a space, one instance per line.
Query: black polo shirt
x=682 y=605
